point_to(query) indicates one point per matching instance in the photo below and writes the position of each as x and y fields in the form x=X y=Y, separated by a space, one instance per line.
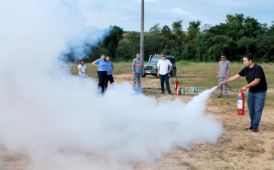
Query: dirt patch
x=12 y=161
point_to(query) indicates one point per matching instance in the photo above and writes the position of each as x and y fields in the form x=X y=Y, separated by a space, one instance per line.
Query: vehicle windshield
x=155 y=60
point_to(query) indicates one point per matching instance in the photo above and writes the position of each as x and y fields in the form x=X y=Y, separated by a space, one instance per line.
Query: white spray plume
x=59 y=121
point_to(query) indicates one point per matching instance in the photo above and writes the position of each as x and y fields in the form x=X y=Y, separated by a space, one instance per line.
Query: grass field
x=237 y=148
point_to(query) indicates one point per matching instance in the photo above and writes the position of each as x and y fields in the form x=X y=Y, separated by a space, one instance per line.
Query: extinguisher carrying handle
x=231 y=89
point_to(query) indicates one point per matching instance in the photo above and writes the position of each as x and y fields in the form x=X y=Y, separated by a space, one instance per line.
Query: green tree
x=271 y=28
x=265 y=45
x=177 y=28
x=193 y=30
x=235 y=19
x=96 y=52
x=155 y=28
x=203 y=42
x=166 y=31
x=129 y=46
x=220 y=29
x=235 y=26
x=221 y=43
x=206 y=27
x=246 y=42
x=125 y=50
x=252 y=27
x=111 y=41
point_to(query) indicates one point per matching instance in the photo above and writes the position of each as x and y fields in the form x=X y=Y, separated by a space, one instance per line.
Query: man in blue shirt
x=110 y=68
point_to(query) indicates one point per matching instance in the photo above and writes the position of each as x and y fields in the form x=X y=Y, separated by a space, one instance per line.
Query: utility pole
x=142 y=32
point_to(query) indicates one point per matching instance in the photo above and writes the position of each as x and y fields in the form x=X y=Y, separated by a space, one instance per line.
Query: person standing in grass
x=164 y=68
x=82 y=68
x=138 y=71
x=257 y=85
x=223 y=74
x=101 y=72
x=110 y=68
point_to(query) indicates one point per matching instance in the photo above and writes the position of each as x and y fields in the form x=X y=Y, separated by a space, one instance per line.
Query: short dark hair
x=223 y=55
x=80 y=61
x=249 y=57
x=138 y=53
x=164 y=54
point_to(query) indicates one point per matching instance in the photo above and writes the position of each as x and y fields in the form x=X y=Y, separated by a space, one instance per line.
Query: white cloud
x=180 y=11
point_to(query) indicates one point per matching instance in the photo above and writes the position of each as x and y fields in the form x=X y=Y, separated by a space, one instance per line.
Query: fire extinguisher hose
x=231 y=89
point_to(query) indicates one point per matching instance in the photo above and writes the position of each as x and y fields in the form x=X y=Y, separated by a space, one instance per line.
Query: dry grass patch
x=251 y=146
x=272 y=151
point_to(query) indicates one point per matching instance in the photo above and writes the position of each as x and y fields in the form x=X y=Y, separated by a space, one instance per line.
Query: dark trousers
x=109 y=79
x=102 y=75
x=164 y=78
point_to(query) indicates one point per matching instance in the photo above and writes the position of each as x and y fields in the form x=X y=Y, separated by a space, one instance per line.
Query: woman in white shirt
x=82 y=68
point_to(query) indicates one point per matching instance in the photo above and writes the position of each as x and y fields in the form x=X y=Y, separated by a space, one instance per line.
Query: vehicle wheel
x=173 y=73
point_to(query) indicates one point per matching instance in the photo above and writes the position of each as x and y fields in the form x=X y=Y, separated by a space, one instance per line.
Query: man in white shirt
x=82 y=68
x=164 y=68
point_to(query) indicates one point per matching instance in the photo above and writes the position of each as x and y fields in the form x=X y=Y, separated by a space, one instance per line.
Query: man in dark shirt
x=257 y=85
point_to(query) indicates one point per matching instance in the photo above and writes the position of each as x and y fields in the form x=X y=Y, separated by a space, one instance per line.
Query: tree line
x=239 y=35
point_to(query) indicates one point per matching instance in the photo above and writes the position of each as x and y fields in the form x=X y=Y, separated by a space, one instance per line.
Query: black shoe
x=255 y=129
x=162 y=92
x=250 y=128
x=219 y=96
x=170 y=93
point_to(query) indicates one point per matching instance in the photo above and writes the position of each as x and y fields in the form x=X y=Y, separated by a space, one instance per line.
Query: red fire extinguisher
x=241 y=103
x=178 y=90
x=176 y=84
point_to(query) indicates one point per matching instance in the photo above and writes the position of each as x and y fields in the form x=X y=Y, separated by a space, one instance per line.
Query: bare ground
x=237 y=148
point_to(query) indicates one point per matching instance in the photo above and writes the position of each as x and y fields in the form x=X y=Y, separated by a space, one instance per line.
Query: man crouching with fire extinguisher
x=257 y=85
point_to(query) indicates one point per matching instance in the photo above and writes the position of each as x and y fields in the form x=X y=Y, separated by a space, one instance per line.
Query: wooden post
x=142 y=33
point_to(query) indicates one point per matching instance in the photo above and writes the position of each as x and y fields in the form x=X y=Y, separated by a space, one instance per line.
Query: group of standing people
x=164 y=67
x=253 y=73
x=104 y=71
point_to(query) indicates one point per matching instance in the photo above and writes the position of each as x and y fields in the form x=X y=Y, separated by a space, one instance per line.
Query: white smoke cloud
x=59 y=121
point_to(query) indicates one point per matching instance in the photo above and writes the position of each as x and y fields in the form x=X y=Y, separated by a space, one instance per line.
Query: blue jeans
x=165 y=78
x=255 y=103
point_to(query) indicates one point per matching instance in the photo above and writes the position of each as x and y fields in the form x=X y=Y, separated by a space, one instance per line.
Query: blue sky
x=126 y=13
